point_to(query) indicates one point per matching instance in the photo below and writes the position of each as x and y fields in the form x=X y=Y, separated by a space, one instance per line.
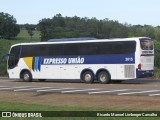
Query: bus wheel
x=26 y=76
x=103 y=77
x=88 y=77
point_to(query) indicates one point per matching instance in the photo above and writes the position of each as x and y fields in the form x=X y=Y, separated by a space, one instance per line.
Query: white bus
x=86 y=59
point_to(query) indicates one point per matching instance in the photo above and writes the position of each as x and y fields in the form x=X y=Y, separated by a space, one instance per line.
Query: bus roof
x=71 y=39
x=80 y=40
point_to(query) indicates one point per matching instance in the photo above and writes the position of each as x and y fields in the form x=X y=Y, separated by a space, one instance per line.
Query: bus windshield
x=13 y=57
x=146 y=44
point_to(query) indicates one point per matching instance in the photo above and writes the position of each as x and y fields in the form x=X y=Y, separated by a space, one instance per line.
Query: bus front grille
x=129 y=71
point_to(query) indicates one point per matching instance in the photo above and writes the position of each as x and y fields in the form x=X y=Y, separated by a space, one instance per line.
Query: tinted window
x=14 y=57
x=27 y=51
x=87 y=49
x=104 y=48
x=146 y=44
x=55 y=49
x=34 y=50
x=116 y=47
x=100 y=48
x=124 y=47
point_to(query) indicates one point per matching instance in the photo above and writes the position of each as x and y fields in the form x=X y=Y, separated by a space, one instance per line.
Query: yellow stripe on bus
x=28 y=61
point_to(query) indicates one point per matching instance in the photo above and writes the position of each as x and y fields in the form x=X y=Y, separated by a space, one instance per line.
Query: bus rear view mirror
x=3 y=58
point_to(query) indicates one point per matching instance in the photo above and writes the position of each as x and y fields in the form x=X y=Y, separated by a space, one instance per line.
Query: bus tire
x=103 y=77
x=87 y=77
x=26 y=76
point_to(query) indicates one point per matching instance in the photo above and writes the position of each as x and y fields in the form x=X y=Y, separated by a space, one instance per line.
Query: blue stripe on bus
x=36 y=64
x=89 y=59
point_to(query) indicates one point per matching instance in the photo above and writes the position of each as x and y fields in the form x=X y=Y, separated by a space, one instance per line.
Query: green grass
x=8 y=106
x=22 y=37
x=156 y=73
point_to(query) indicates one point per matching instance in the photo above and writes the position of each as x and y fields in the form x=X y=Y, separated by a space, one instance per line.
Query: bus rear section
x=146 y=66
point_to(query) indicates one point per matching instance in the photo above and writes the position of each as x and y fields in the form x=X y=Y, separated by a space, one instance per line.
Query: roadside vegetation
x=9 y=106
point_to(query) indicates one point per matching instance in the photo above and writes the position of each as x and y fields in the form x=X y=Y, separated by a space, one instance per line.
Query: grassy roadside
x=156 y=73
x=8 y=106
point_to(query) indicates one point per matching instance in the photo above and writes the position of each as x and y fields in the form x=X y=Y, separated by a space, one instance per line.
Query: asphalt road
x=139 y=87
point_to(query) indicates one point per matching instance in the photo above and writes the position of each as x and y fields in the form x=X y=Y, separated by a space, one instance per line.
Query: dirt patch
x=84 y=100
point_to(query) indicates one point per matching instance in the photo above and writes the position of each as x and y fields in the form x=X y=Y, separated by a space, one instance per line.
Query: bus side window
x=55 y=49
x=42 y=50
x=104 y=48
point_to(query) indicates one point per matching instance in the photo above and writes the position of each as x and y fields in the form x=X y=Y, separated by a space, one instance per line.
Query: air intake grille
x=129 y=71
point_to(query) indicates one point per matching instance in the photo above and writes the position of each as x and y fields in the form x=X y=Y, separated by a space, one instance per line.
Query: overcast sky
x=131 y=11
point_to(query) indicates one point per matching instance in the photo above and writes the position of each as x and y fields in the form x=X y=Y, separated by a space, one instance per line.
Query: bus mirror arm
x=7 y=55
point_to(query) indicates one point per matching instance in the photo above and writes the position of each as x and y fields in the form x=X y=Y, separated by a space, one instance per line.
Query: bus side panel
x=95 y=67
x=120 y=71
x=15 y=72
x=126 y=71
x=71 y=71
x=117 y=71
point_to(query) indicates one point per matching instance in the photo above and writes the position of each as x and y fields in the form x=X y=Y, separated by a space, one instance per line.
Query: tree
x=8 y=26
x=30 y=29
x=157 y=33
x=157 y=53
x=139 y=30
x=61 y=27
x=46 y=29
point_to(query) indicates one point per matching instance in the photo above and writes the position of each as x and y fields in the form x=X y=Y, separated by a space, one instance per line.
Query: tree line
x=70 y=27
